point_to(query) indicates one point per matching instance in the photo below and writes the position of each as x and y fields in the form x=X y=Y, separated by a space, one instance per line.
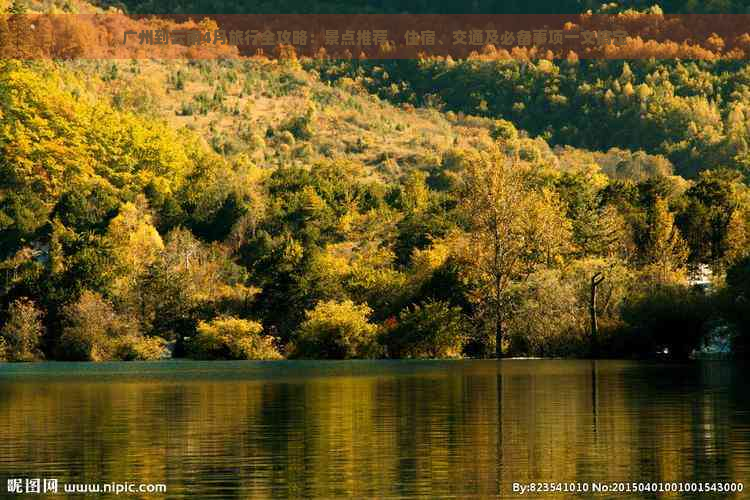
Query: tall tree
x=665 y=252
x=715 y=219
x=512 y=229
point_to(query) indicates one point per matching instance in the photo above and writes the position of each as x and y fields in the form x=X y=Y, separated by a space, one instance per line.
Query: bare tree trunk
x=596 y=280
x=498 y=337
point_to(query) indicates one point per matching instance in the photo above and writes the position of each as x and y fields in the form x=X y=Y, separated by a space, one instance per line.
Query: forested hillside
x=251 y=208
x=692 y=112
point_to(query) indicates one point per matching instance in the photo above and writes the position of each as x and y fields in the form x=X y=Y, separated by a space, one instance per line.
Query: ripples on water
x=431 y=429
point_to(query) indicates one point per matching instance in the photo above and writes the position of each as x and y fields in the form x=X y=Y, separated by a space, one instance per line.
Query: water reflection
x=373 y=429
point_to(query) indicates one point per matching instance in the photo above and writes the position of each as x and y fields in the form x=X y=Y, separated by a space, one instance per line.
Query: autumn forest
x=329 y=208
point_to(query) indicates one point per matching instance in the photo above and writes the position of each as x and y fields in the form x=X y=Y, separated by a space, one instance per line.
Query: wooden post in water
x=596 y=280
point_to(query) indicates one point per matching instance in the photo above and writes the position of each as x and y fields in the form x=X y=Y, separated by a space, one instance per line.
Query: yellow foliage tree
x=513 y=229
x=135 y=244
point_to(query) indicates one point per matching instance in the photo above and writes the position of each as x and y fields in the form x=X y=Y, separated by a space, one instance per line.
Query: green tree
x=427 y=330
x=188 y=280
x=414 y=195
x=715 y=221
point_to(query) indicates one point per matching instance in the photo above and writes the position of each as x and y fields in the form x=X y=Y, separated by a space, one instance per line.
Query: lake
x=374 y=429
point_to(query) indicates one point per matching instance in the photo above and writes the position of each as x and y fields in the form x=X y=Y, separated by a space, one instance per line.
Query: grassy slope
x=260 y=97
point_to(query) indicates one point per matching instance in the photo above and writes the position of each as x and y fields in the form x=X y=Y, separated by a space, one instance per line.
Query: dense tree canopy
x=254 y=209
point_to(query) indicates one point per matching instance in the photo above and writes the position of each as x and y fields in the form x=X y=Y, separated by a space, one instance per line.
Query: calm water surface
x=430 y=429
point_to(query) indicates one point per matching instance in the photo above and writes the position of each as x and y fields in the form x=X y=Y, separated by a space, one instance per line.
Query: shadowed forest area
x=256 y=208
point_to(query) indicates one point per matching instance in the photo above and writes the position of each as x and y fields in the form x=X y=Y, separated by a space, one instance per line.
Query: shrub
x=22 y=332
x=203 y=103
x=93 y=331
x=433 y=329
x=337 y=330
x=139 y=348
x=186 y=109
x=301 y=127
x=503 y=130
x=231 y=338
